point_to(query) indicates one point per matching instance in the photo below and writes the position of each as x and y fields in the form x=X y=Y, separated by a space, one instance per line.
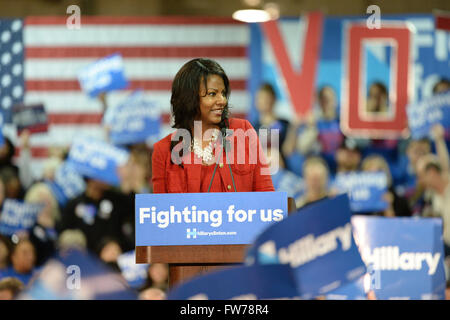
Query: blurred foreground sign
x=243 y=283
x=407 y=254
x=317 y=242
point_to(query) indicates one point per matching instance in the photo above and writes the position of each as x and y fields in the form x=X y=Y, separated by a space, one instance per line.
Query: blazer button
x=228 y=187
x=221 y=165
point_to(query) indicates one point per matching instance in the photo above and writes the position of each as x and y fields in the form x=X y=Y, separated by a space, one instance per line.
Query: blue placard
x=97 y=159
x=317 y=242
x=365 y=189
x=424 y=114
x=351 y=291
x=292 y=184
x=104 y=75
x=243 y=283
x=17 y=216
x=406 y=253
x=67 y=183
x=135 y=274
x=134 y=120
x=206 y=218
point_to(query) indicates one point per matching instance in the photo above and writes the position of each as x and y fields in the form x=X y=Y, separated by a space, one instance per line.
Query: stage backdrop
x=430 y=56
x=40 y=59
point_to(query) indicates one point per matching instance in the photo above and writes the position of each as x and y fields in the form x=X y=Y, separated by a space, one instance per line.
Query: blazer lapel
x=192 y=172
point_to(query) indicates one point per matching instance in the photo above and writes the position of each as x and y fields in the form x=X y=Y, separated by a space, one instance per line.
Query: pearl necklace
x=206 y=153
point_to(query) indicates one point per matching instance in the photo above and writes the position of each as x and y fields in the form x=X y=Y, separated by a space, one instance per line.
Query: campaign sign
x=104 y=75
x=317 y=242
x=17 y=216
x=97 y=159
x=31 y=117
x=133 y=121
x=365 y=190
x=206 y=218
x=77 y=275
x=407 y=253
x=284 y=180
x=423 y=115
x=243 y=283
x=351 y=291
x=135 y=273
x=67 y=183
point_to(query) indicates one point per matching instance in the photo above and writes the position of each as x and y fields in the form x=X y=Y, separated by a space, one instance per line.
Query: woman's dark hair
x=185 y=99
x=269 y=88
x=380 y=86
x=7 y=158
x=104 y=241
x=442 y=81
x=9 y=246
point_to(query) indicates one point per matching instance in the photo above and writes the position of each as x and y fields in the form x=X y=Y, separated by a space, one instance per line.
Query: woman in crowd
x=397 y=206
x=316 y=179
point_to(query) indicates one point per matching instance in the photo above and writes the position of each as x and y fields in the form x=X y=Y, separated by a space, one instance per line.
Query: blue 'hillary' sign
x=317 y=242
x=17 y=216
x=406 y=254
x=243 y=283
x=104 y=75
x=97 y=159
x=365 y=189
x=351 y=291
x=423 y=115
x=133 y=121
x=206 y=218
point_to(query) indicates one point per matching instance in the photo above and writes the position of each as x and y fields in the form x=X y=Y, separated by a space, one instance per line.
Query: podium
x=186 y=261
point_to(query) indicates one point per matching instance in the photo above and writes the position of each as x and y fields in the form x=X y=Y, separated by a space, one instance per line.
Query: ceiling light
x=251 y=15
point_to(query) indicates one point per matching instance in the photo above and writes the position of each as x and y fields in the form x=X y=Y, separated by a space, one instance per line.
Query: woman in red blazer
x=193 y=159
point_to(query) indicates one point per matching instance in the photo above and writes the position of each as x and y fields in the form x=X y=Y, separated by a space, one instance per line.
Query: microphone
x=226 y=146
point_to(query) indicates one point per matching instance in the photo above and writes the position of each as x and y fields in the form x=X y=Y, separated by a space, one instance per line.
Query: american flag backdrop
x=41 y=58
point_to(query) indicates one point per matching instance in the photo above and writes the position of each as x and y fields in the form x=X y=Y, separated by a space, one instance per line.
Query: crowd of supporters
x=312 y=150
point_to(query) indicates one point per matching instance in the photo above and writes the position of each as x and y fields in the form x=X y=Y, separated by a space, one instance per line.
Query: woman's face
x=327 y=100
x=265 y=101
x=212 y=100
x=23 y=257
x=315 y=176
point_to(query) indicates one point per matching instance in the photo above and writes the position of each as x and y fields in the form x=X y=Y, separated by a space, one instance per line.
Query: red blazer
x=168 y=177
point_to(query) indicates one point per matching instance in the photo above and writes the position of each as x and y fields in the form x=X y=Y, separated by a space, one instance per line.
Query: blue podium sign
x=317 y=242
x=242 y=283
x=406 y=254
x=206 y=218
